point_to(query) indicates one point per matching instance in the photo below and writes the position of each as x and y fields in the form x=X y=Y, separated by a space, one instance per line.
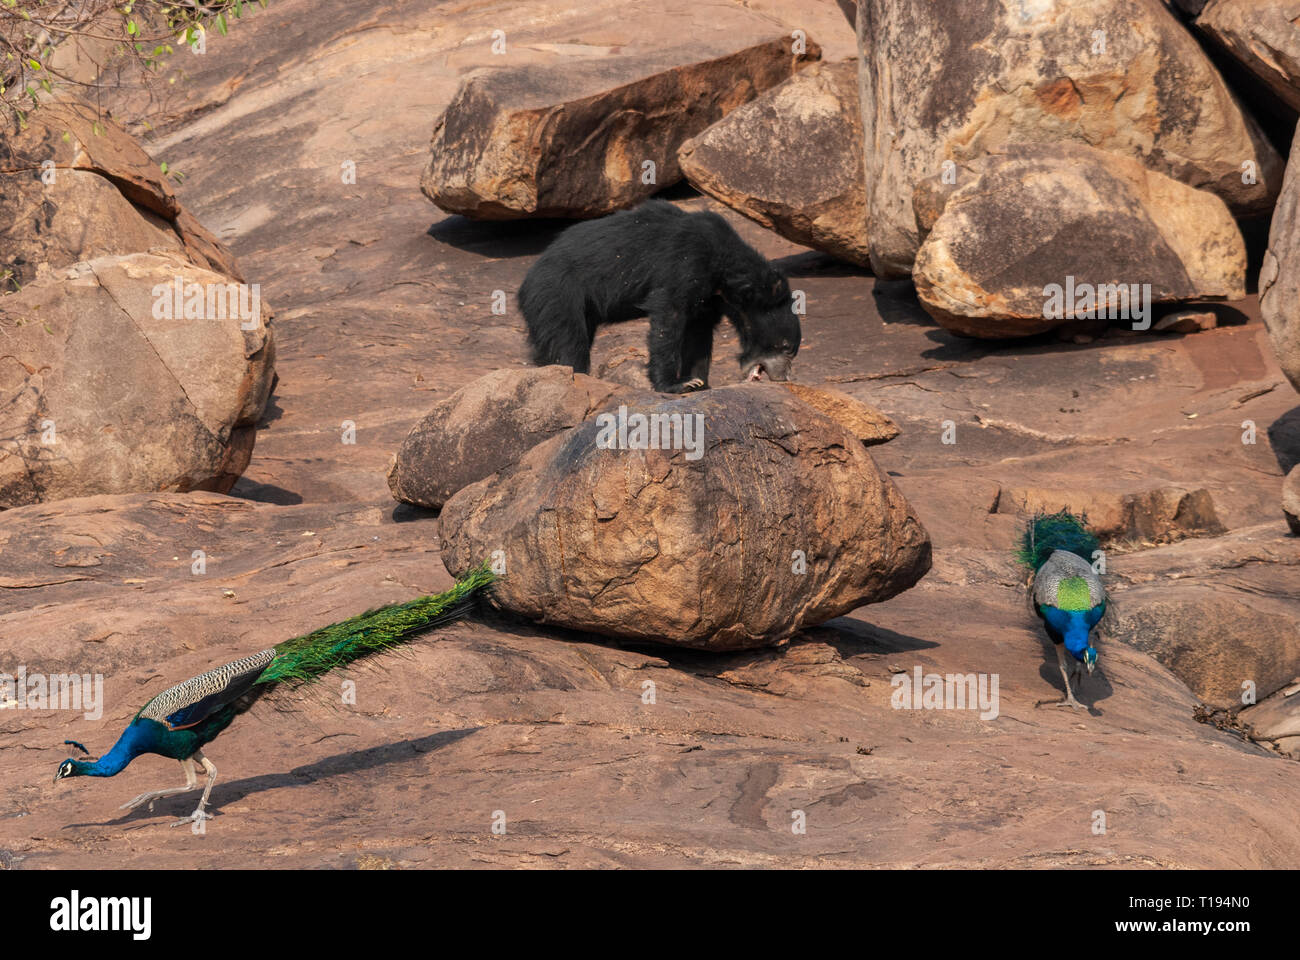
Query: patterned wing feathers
x=189 y=702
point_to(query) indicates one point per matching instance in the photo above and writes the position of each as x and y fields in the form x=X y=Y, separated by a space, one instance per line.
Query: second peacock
x=1067 y=593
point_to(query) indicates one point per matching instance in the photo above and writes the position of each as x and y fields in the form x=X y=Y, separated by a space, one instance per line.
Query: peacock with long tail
x=183 y=719
x=1068 y=595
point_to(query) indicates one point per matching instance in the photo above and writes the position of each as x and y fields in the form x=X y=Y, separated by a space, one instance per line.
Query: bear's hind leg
x=558 y=330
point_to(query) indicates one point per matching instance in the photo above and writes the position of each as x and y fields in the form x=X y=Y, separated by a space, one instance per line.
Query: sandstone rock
x=866 y=423
x=572 y=141
x=1012 y=72
x=1291 y=499
x=1279 y=277
x=1036 y=216
x=1262 y=36
x=1213 y=643
x=1186 y=321
x=1162 y=515
x=694 y=549
x=103 y=396
x=1276 y=718
x=1216 y=612
x=489 y=424
x=792 y=161
x=105 y=196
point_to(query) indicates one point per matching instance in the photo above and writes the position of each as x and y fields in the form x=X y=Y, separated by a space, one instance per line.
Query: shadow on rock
x=1284 y=435
x=505 y=239
x=236 y=790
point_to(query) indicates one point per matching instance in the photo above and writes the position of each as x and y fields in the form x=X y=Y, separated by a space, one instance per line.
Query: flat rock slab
x=485 y=716
x=575 y=141
x=103 y=395
x=1015 y=72
x=775 y=518
x=792 y=161
x=1070 y=217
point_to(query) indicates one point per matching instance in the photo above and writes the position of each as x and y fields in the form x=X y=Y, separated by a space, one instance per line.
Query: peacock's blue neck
x=134 y=741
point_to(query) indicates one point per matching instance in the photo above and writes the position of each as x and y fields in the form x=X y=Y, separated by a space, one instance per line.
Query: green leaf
x=131 y=28
x=163 y=166
x=221 y=23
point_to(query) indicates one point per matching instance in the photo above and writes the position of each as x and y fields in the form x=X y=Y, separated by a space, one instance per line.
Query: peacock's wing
x=190 y=702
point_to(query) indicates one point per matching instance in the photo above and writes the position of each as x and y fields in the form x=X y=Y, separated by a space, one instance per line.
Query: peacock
x=1067 y=592
x=181 y=720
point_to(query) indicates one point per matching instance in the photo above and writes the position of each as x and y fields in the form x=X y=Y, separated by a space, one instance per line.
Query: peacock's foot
x=152 y=797
x=193 y=818
x=1065 y=702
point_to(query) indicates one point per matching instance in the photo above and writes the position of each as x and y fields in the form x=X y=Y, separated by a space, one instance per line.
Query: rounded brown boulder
x=721 y=520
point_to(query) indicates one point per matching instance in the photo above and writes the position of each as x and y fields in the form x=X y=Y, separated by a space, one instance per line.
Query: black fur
x=682 y=270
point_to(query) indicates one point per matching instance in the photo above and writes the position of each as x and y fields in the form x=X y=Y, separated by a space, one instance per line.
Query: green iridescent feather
x=308 y=658
x=1055 y=531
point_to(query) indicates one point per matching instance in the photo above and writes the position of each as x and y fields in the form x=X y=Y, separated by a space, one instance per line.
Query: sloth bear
x=683 y=271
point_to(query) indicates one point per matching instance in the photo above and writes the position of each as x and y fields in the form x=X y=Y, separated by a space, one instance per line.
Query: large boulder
x=77 y=187
x=1262 y=36
x=1291 y=499
x=573 y=140
x=1082 y=219
x=1220 y=612
x=1159 y=515
x=767 y=516
x=1276 y=720
x=792 y=161
x=1279 y=277
x=938 y=86
x=109 y=390
x=492 y=422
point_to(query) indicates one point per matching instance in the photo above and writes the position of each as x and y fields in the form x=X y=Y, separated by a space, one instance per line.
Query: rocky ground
x=383 y=306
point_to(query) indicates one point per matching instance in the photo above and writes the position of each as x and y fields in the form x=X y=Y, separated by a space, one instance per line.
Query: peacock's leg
x=1068 y=700
x=191 y=781
x=199 y=813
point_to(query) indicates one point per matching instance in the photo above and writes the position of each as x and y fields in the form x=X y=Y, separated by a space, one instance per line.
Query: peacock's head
x=71 y=767
x=1090 y=658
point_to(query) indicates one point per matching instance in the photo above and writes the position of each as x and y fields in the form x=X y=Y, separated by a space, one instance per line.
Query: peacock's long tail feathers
x=1055 y=531
x=307 y=658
